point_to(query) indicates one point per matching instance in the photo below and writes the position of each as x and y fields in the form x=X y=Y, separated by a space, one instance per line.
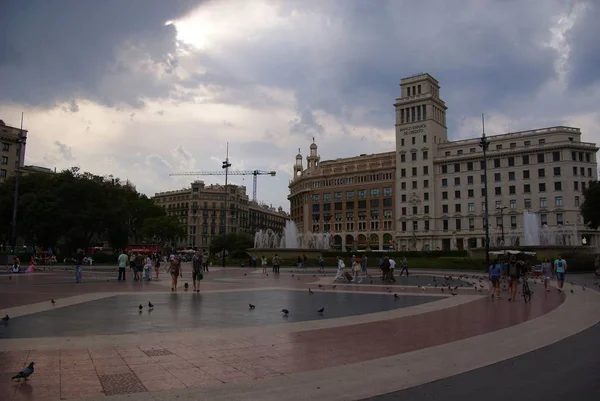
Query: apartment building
x=12 y=151
x=201 y=209
x=440 y=190
x=352 y=198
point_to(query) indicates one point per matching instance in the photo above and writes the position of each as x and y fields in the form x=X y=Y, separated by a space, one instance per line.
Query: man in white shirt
x=392 y=267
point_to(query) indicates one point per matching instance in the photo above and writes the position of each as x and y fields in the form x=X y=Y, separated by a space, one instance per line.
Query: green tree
x=161 y=230
x=235 y=244
x=73 y=209
x=589 y=208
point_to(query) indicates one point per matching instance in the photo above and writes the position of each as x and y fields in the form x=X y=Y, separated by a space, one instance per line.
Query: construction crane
x=254 y=173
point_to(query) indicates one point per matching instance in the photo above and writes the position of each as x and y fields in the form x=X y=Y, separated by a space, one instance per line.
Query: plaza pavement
x=213 y=348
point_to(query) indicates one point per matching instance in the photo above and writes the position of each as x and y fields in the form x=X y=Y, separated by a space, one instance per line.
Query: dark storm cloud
x=53 y=51
x=485 y=54
x=584 y=41
x=345 y=58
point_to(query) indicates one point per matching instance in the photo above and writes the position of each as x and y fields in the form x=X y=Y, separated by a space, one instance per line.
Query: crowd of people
x=514 y=268
x=358 y=265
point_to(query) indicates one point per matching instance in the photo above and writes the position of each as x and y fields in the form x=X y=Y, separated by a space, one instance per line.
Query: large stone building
x=352 y=198
x=201 y=209
x=438 y=188
x=12 y=153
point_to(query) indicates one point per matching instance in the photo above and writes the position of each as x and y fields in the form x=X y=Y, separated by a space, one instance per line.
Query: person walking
x=157 y=266
x=356 y=268
x=495 y=272
x=148 y=268
x=513 y=270
x=205 y=261
x=363 y=265
x=276 y=261
x=139 y=266
x=79 y=261
x=385 y=269
x=197 y=270
x=560 y=268
x=547 y=273
x=123 y=261
x=404 y=266
x=391 y=277
x=174 y=269
x=340 y=268
x=263 y=263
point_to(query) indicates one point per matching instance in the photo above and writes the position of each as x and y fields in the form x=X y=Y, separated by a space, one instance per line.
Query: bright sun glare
x=216 y=23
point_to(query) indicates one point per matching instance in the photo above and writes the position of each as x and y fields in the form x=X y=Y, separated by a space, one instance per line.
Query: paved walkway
x=94 y=343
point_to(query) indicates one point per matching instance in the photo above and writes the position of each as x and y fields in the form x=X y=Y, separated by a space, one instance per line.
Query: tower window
x=424 y=112
x=419 y=89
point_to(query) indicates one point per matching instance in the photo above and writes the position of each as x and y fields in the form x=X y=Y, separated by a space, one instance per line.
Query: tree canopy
x=590 y=210
x=72 y=210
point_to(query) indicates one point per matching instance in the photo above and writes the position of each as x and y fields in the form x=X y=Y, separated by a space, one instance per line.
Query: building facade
x=12 y=151
x=352 y=198
x=429 y=193
x=440 y=195
x=201 y=209
x=265 y=217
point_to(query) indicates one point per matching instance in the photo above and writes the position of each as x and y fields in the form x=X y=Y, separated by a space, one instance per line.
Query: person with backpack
x=560 y=268
x=513 y=271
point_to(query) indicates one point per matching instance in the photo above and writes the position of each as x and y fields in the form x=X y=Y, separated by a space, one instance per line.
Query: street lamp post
x=501 y=209
x=225 y=166
x=20 y=144
x=484 y=143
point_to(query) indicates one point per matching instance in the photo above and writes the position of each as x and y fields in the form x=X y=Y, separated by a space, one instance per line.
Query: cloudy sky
x=142 y=88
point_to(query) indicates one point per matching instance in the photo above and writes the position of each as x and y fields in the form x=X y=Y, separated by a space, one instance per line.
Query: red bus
x=143 y=248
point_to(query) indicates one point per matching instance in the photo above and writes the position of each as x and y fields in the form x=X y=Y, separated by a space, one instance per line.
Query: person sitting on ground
x=16 y=265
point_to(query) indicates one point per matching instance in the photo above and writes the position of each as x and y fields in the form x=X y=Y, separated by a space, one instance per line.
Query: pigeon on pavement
x=310 y=291
x=25 y=373
x=140 y=307
x=285 y=312
x=320 y=311
x=6 y=318
x=52 y=301
x=150 y=305
x=251 y=306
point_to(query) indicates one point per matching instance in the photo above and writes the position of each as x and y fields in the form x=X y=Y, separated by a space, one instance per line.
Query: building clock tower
x=420 y=127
